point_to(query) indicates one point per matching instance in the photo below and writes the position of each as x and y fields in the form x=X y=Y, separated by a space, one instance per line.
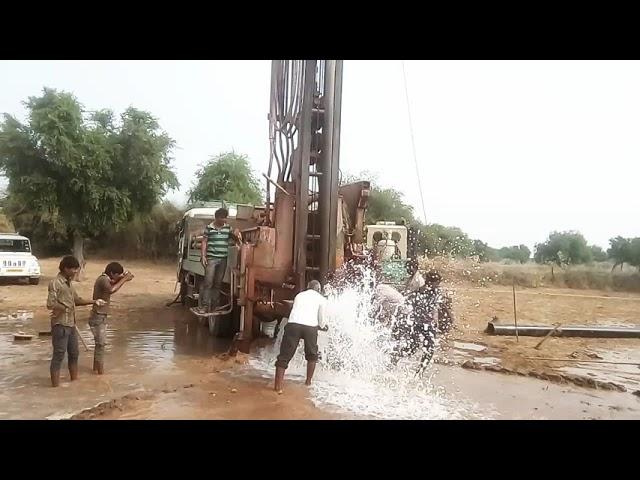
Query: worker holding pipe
x=108 y=283
x=306 y=318
x=62 y=300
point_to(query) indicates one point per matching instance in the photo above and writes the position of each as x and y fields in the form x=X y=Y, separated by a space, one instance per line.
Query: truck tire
x=34 y=281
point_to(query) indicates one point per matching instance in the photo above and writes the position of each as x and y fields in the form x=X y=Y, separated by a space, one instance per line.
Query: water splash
x=354 y=373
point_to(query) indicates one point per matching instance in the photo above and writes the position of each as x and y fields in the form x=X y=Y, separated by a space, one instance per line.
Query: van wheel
x=34 y=281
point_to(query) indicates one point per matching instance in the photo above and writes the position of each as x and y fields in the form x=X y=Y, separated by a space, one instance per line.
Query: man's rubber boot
x=100 y=368
x=279 y=379
x=55 y=378
x=311 y=367
x=73 y=371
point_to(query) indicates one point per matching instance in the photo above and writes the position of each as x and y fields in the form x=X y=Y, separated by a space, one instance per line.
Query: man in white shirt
x=307 y=316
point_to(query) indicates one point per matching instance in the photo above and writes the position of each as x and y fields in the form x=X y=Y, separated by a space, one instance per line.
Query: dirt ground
x=138 y=359
x=476 y=306
x=160 y=366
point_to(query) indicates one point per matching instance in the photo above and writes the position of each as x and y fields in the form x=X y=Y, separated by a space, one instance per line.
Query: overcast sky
x=508 y=150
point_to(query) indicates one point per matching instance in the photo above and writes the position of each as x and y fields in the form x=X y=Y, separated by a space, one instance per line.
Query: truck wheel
x=34 y=281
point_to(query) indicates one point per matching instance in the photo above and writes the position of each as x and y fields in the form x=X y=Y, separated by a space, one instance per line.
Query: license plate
x=14 y=270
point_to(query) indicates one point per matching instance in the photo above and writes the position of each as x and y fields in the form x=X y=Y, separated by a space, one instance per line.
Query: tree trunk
x=553 y=277
x=78 y=252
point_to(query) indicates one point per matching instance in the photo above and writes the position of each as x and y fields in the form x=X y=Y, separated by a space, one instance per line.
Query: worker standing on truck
x=62 y=300
x=113 y=278
x=214 y=252
x=307 y=316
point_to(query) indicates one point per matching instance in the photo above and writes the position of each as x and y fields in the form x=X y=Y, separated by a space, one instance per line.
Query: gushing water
x=354 y=372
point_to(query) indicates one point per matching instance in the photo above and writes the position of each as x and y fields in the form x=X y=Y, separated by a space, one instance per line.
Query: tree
x=385 y=204
x=563 y=248
x=227 y=177
x=634 y=252
x=598 y=254
x=484 y=252
x=152 y=235
x=82 y=172
x=516 y=253
x=619 y=251
x=440 y=240
x=388 y=205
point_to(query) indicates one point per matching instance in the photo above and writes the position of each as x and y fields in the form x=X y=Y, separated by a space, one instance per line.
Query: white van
x=16 y=259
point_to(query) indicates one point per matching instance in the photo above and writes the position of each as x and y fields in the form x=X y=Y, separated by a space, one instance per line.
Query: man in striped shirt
x=214 y=253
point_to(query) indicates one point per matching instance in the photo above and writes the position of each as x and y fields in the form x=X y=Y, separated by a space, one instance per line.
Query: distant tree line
x=560 y=248
x=77 y=175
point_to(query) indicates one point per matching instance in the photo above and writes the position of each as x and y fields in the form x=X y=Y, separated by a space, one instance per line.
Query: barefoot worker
x=307 y=316
x=62 y=301
x=113 y=278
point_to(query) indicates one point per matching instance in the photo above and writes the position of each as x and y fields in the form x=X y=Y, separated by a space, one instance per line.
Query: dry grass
x=531 y=275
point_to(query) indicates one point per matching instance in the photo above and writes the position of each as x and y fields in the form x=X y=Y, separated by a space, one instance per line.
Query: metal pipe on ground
x=566 y=331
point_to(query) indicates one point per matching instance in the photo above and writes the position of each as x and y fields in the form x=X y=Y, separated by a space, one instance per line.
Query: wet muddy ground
x=161 y=365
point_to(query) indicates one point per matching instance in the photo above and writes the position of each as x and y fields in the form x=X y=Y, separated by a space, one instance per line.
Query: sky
x=507 y=150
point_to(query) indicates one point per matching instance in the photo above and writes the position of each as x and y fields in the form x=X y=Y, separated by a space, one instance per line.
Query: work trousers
x=213 y=275
x=64 y=340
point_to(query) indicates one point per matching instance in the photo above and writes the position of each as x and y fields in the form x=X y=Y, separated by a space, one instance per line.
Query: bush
x=153 y=236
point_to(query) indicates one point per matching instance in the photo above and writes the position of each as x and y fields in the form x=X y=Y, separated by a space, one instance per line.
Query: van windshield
x=11 y=245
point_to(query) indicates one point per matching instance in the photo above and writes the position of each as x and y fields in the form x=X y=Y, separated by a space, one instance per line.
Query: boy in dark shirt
x=106 y=285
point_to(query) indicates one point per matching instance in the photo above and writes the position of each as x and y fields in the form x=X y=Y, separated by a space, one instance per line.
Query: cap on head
x=314 y=285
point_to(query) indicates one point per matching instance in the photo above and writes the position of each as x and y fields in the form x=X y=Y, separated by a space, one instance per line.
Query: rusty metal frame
x=302 y=175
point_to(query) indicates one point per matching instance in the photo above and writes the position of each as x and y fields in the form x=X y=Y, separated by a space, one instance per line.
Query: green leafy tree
x=634 y=252
x=83 y=173
x=440 y=240
x=387 y=204
x=563 y=248
x=227 y=177
x=598 y=254
x=516 y=253
x=484 y=252
x=619 y=251
x=151 y=235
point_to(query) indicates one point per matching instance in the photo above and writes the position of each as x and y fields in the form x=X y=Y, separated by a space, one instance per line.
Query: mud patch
x=469 y=346
x=578 y=380
x=104 y=408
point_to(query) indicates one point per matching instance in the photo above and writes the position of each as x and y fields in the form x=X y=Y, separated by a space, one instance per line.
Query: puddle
x=469 y=346
x=143 y=348
x=627 y=375
x=59 y=416
x=486 y=361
